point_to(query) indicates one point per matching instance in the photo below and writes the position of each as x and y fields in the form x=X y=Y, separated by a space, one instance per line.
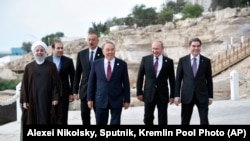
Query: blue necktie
x=91 y=58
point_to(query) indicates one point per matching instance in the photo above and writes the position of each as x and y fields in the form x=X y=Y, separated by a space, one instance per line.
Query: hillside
x=218 y=31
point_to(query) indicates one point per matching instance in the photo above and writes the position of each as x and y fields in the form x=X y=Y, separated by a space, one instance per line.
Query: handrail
x=230 y=57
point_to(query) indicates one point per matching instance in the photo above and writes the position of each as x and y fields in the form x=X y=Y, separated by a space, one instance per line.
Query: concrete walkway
x=225 y=112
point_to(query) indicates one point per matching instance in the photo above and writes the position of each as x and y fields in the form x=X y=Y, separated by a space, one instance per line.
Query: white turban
x=39 y=43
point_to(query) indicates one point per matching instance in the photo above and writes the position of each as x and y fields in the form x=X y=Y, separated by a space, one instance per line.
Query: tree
x=48 y=39
x=192 y=11
x=115 y=21
x=175 y=6
x=172 y=5
x=129 y=20
x=165 y=15
x=244 y=3
x=26 y=46
x=180 y=4
x=59 y=34
x=144 y=16
x=222 y=4
x=99 y=28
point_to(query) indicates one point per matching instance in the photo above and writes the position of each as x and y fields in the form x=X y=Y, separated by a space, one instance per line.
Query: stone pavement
x=224 y=112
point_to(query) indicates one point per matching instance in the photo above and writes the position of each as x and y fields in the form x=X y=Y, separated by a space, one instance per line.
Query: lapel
x=201 y=64
x=164 y=63
x=98 y=53
x=115 y=69
x=100 y=66
x=86 y=58
x=188 y=66
x=61 y=63
x=151 y=63
x=50 y=58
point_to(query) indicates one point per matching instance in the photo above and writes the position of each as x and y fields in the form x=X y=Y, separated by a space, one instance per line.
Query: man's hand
x=54 y=102
x=76 y=96
x=171 y=101
x=210 y=102
x=71 y=98
x=140 y=97
x=26 y=105
x=90 y=104
x=177 y=101
x=126 y=105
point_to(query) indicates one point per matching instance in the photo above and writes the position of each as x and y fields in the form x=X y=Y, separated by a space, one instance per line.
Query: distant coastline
x=4 y=53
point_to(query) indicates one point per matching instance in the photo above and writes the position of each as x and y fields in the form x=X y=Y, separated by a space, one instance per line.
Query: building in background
x=18 y=51
x=15 y=54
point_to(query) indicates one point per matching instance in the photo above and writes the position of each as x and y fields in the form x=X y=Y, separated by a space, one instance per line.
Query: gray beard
x=40 y=59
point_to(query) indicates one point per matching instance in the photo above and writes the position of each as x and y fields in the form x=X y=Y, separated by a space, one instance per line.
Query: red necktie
x=156 y=65
x=109 y=71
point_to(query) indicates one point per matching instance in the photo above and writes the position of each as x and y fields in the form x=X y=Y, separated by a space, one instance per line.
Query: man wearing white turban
x=41 y=88
x=39 y=43
x=39 y=57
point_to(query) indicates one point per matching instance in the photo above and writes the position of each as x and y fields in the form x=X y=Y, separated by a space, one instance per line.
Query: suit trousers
x=64 y=105
x=102 y=115
x=187 y=110
x=85 y=112
x=149 y=109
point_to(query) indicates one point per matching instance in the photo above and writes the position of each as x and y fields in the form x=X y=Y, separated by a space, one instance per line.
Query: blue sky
x=30 y=20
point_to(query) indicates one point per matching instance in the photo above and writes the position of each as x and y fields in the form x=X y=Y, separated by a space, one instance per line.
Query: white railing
x=234 y=87
x=18 y=105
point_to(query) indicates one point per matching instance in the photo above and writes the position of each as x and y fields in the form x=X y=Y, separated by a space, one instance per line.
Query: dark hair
x=92 y=32
x=194 y=40
x=54 y=42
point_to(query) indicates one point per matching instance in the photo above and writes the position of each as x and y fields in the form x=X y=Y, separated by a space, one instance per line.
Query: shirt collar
x=111 y=61
x=159 y=57
x=197 y=57
x=93 y=50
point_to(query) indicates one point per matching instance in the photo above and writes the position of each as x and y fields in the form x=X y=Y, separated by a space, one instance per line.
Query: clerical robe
x=40 y=86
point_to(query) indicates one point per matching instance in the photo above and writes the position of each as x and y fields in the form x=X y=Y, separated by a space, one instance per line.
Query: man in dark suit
x=66 y=69
x=194 y=84
x=158 y=71
x=108 y=87
x=83 y=65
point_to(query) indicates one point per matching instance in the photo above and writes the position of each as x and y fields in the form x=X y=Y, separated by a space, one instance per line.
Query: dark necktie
x=156 y=65
x=91 y=58
x=109 y=71
x=194 y=66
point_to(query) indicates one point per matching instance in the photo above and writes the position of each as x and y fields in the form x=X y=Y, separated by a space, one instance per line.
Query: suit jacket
x=187 y=84
x=115 y=92
x=67 y=73
x=152 y=84
x=83 y=70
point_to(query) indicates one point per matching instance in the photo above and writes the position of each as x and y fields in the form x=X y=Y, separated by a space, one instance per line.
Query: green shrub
x=8 y=84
